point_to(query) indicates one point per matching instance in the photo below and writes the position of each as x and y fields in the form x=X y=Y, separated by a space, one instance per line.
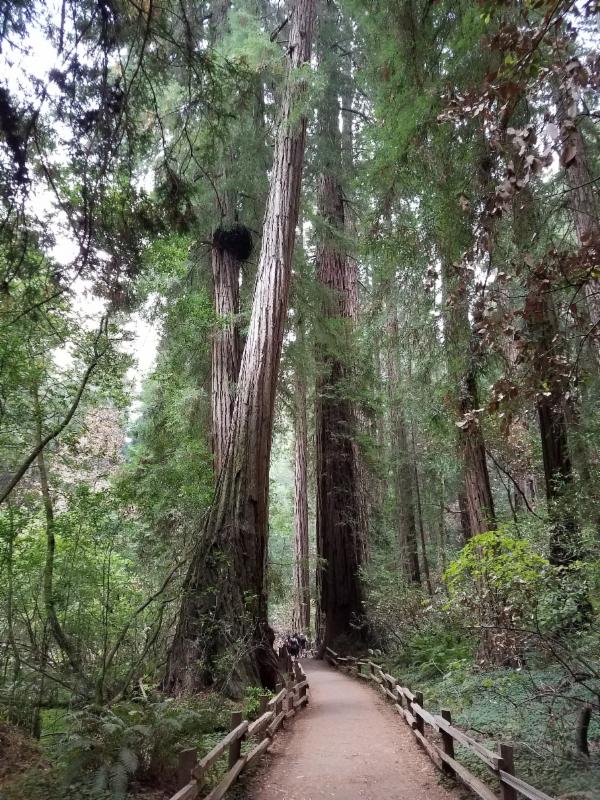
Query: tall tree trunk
x=339 y=534
x=419 y=508
x=404 y=504
x=478 y=491
x=222 y=631
x=301 y=608
x=226 y=348
x=582 y=199
x=476 y=501
x=558 y=472
x=340 y=538
x=547 y=367
x=347 y=89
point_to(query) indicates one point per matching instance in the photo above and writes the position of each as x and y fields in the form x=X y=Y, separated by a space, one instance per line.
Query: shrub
x=498 y=580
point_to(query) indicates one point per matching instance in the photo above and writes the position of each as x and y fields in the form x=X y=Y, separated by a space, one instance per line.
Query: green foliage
x=438 y=649
x=99 y=751
x=102 y=752
x=252 y=695
x=249 y=45
x=494 y=567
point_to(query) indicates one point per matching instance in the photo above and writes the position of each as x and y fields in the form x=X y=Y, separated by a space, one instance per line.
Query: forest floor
x=347 y=745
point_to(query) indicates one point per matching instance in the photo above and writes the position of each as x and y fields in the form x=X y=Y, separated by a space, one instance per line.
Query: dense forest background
x=366 y=237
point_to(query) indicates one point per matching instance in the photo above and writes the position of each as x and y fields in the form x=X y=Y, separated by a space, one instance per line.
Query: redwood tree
x=231 y=244
x=580 y=180
x=226 y=353
x=339 y=534
x=222 y=628
x=475 y=497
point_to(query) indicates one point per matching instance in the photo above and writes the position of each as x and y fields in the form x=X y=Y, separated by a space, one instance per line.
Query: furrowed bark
x=476 y=501
x=226 y=349
x=222 y=629
x=582 y=199
x=546 y=361
x=340 y=540
x=226 y=353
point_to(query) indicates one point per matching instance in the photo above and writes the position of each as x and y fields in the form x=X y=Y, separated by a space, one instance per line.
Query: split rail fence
x=410 y=706
x=273 y=712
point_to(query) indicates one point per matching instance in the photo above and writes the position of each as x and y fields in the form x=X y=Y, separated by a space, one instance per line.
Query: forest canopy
x=299 y=332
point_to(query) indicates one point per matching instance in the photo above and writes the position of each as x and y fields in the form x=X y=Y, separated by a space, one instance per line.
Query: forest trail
x=348 y=745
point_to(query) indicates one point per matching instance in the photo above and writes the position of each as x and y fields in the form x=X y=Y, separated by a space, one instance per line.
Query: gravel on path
x=348 y=744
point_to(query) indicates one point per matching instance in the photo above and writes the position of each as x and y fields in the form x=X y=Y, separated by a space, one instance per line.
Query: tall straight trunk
x=226 y=352
x=226 y=349
x=442 y=556
x=582 y=199
x=364 y=425
x=476 y=501
x=222 y=631
x=339 y=533
x=546 y=361
x=478 y=491
x=424 y=556
x=301 y=608
x=404 y=502
x=340 y=518
x=550 y=404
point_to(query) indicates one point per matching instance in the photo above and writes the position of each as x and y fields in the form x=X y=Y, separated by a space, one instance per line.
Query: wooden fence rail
x=273 y=712
x=410 y=707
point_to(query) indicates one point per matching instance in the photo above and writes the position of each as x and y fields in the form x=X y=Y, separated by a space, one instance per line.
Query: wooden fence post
x=508 y=765
x=372 y=669
x=235 y=748
x=187 y=761
x=278 y=688
x=447 y=742
x=263 y=702
x=418 y=719
x=399 y=697
x=282 y=658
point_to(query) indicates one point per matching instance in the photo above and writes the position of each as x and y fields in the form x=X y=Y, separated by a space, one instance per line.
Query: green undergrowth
x=530 y=708
x=128 y=751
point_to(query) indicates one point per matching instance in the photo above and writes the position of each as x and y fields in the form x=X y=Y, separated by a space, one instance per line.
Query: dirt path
x=347 y=745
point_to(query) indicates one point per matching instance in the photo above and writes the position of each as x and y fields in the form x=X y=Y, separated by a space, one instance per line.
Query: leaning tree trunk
x=402 y=468
x=222 y=631
x=301 y=607
x=65 y=643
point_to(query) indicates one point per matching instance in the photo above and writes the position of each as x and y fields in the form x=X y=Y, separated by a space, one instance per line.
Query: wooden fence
x=273 y=712
x=410 y=706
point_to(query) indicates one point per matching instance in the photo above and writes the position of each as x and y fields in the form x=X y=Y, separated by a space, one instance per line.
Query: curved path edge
x=349 y=744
